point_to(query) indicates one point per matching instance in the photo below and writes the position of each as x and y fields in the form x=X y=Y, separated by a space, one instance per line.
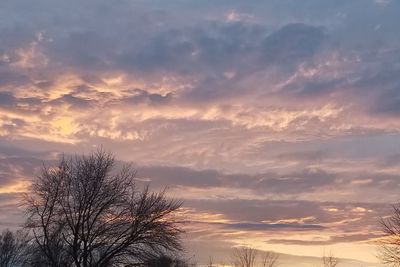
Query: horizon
x=275 y=122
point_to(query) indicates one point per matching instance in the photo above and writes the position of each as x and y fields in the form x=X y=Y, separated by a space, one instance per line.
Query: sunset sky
x=276 y=122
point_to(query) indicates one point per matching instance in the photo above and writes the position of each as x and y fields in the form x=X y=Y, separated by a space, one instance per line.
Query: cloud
x=7 y=99
x=260 y=227
x=72 y=101
x=330 y=241
x=272 y=183
x=266 y=226
x=139 y=96
x=292 y=43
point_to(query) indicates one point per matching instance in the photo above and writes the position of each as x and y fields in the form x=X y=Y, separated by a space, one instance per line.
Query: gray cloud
x=292 y=43
x=7 y=99
x=72 y=101
x=139 y=96
x=291 y=183
x=268 y=226
x=330 y=241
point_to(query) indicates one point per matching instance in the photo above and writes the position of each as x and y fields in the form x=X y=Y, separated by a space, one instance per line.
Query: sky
x=276 y=122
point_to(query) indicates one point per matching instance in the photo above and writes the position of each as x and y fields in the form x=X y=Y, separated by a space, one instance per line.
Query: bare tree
x=244 y=256
x=389 y=246
x=210 y=262
x=53 y=253
x=85 y=214
x=329 y=260
x=13 y=248
x=270 y=259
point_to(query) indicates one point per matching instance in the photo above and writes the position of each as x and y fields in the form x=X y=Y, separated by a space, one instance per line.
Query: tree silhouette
x=389 y=245
x=244 y=256
x=14 y=248
x=329 y=260
x=269 y=259
x=85 y=214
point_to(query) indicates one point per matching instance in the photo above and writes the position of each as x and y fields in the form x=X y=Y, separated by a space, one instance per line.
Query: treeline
x=18 y=250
